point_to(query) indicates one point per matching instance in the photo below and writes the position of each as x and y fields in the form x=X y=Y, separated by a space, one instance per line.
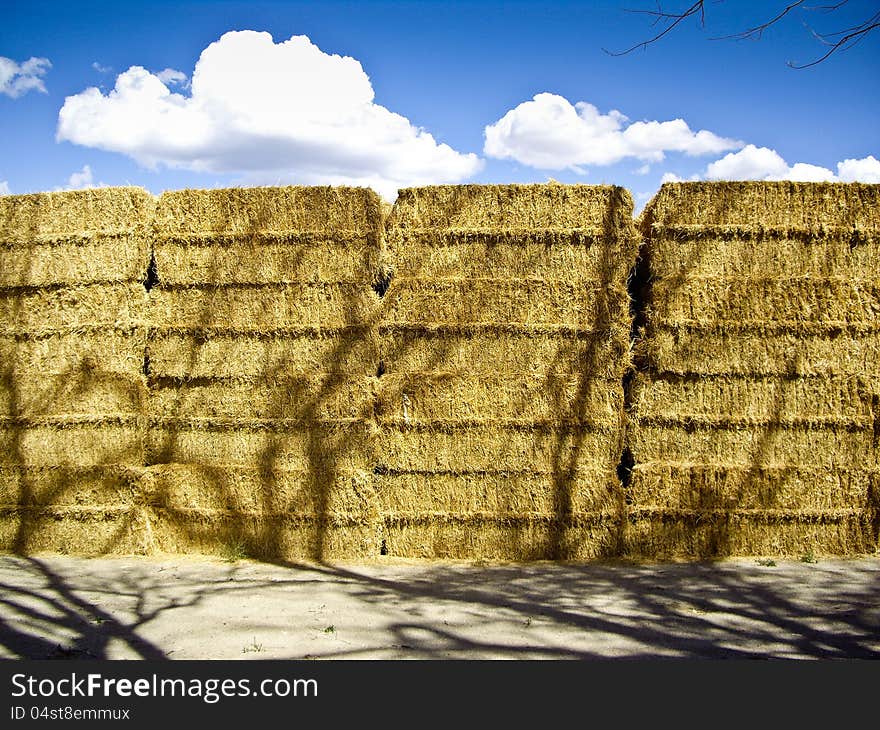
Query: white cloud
x=17 y=79
x=101 y=69
x=671 y=177
x=268 y=111
x=4 y=188
x=761 y=163
x=803 y=172
x=750 y=163
x=549 y=132
x=866 y=170
x=643 y=170
x=81 y=179
x=170 y=76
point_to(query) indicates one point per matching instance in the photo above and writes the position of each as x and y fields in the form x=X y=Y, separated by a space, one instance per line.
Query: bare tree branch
x=834 y=41
x=673 y=18
x=758 y=30
x=848 y=40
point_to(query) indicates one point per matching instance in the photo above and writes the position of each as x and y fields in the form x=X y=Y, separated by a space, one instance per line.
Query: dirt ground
x=191 y=608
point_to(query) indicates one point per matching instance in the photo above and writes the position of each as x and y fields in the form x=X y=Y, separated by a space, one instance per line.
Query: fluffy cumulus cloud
x=866 y=170
x=762 y=163
x=4 y=188
x=17 y=79
x=549 y=132
x=270 y=111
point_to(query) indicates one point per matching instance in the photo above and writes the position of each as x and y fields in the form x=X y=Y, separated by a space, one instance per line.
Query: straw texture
x=755 y=417
x=73 y=320
x=504 y=339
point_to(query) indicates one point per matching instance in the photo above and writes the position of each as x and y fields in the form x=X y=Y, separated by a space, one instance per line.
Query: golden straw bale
x=766 y=205
x=422 y=397
x=713 y=486
x=662 y=535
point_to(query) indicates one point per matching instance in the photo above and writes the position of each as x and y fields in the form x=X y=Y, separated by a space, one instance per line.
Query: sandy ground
x=188 y=608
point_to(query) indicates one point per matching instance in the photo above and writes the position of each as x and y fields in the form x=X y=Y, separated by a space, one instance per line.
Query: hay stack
x=756 y=417
x=72 y=388
x=262 y=337
x=504 y=340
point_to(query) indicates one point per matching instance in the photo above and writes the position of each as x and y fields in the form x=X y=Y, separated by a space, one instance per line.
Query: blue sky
x=431 y=92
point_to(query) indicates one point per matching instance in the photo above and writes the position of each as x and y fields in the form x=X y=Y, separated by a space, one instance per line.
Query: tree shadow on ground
x=60 y=608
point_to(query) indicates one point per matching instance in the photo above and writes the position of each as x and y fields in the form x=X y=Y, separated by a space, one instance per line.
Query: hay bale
x=264 y=258
x=754 y=425
x=268 y=444
x=713 y=486
x=72 y=392
x=88 y=531
x=74 y=441
x=105 y=349
x=79 y=393
x=530 y=492
x=259 y=535
x=829 y=301
x=460 y=446
x=509 y=348
x=523 y=208
x=554 y=393
x=38 y=311
x=770 y=444
x=263 y=307
x=764 y=350
x=703 y=252
x=287 y=397
x=319 y=212
x=755 y=399
x=192 y=352
x=493 y=537
x=526 y=301
x=249 y=491
x=504 y=338
x=571 y=256
x=69 y=486
x=759 y=206
x=271 y=236
x=701 y=534
x=75 y=237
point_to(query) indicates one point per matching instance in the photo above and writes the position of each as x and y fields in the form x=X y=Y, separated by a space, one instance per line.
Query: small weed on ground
x=234 y=551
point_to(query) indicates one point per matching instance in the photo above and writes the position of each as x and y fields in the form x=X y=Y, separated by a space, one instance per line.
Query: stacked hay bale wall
x=72 y=388
x=280 y=372
x=261 y=345
x=756 y=415
x=504 y=341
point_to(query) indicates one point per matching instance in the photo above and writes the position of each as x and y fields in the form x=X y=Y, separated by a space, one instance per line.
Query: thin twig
x=659 y=14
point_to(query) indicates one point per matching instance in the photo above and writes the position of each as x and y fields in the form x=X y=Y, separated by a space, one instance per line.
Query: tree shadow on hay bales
x=81 y=508
x=568 y=459
x=757 y=500
x=292 y=512
x=494 y=515
x=376 y=525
